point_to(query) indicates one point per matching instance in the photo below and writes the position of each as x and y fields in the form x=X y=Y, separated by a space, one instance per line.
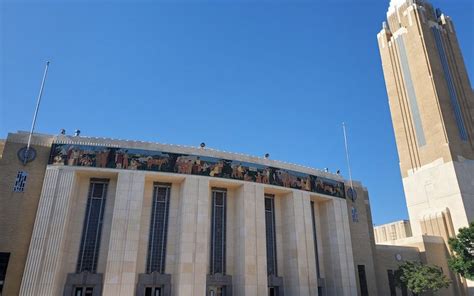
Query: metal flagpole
x=347 y=155
x=25 y=160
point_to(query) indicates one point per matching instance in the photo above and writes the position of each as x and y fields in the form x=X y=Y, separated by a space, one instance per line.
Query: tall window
x=270 y=234
x=362 y=280
x=4 y=258
x=92 y=229
x=218 y=230
x=315 y=240
x=391 y=283
x=20 y=181
x=158 y=228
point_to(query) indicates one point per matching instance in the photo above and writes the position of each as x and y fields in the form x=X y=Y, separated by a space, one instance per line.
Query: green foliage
x=421 y=278
x=462 y=245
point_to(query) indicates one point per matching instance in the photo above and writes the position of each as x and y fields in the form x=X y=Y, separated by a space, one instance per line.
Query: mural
x=136 y=159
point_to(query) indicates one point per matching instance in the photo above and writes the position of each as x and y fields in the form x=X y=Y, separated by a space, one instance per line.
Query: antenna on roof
x=29 y=156
x=347 y=155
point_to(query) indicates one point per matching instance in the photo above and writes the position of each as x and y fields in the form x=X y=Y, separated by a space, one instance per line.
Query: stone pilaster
x=337 y=248
x=49 y=234
x=250 y=266
x=297 y=249
x=124 y=235
x=193 y=238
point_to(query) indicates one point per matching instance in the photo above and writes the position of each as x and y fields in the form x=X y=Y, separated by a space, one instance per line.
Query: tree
x=420 y=278
x=462 y=246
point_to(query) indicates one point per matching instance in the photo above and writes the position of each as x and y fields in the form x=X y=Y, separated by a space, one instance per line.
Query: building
x=432 y=107
x=392 y=231
x=113 y=217
x=93 y=216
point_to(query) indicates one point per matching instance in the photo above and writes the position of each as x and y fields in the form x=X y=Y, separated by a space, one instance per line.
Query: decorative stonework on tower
x=432 y=107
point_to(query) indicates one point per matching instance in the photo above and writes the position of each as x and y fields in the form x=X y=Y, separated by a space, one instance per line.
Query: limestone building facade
x=113 y=217
x=94 y=216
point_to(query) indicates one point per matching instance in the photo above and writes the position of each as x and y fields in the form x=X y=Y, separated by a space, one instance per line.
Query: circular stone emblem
x=398 y=257
x=25 y=155
x=352 y=194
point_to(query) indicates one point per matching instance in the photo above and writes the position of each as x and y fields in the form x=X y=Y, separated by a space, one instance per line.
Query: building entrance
x=272 y=291
x=216 y=291
x=83 y=291
x=153 y=291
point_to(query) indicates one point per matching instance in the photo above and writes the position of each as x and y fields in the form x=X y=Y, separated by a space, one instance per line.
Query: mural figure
x=135 y=159
x=125 y=159
x=101 y=158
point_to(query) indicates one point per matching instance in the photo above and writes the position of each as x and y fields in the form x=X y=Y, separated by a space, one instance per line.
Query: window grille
x=20 y=181
x=355 y=215
x=158 y=228
x=218 y=231
x=92 y=227
x=270 y=235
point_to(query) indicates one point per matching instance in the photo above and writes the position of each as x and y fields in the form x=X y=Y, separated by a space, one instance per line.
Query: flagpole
x=25 y=160
x=347 y=155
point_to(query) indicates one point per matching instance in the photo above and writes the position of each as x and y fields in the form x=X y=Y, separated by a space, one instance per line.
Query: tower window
x=20 y=181
x=410 y=91
x=449 y=81
x=92 y=228
x=354 y=214
x=158 y=228
x=218 y=231
x=270 y=234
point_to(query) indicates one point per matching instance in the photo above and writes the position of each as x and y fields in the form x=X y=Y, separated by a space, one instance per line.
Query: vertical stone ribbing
x=192 y=245
x=310 y=252
x=250 y=274
x=124 y=236
x=49 y=234
x=261 y=260
x=297 y=236
x=340 y=272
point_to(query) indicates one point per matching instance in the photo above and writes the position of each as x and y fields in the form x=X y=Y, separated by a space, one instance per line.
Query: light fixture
x=267 y=155
x=77 y=133
x=202 y=145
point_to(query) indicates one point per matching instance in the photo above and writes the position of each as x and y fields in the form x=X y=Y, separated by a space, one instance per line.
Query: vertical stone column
x=298 y=249
x=250 y=272
x=337 y=248
x=192 y=247
x=49 y=234
x=124 y=235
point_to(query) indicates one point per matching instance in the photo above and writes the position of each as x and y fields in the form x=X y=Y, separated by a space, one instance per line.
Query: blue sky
x=243 y=76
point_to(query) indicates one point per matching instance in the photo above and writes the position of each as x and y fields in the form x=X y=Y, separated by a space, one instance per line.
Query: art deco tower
x=432 y=107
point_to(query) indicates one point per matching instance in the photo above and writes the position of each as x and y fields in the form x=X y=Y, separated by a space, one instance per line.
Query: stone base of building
x=154 y=280
x=214 y=281
x=83 y=280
